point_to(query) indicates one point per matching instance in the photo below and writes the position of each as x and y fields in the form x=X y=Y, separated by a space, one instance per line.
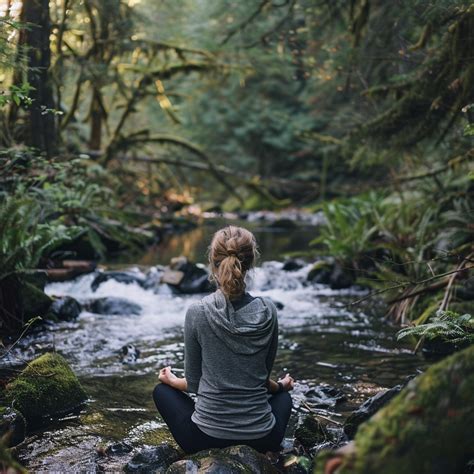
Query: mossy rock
x=34 y=302
x=46 y=387
x=427 y=428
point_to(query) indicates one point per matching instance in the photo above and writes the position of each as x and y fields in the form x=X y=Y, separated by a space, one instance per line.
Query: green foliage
x=26 y=236
x=445 y=325
x=17 y=95
x=350 y=227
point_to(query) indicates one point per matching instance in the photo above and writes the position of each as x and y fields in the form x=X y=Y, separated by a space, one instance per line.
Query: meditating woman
x=230 y=341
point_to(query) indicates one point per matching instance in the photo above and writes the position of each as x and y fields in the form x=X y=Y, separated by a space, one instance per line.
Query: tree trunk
x=34 y=41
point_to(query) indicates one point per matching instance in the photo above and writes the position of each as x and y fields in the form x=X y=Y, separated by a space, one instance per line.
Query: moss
x=427 y=428
x=34 y=301
x=46 y=387
x=157 y=437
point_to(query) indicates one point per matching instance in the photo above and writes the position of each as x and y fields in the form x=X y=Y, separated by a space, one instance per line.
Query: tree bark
x=34 y=41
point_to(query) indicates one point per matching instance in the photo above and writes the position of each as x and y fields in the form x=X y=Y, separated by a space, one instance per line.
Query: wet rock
x=310 y=432
x=118 y=449
x=65 y=308
x=155 y=459
x=293 y=264
x=122 y=277
x=187 y=277
x=328 y=272
x=116 y=306
x=283 y=223
x=129 y=354
x=222 y=461
x=426 y=428
x=46 y=387
x=367 y=409
x=12 y=426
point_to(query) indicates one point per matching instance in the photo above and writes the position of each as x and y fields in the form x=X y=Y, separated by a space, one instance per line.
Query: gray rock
x=65 y=308
x=367 y=409
x=194 y=279
x=129 y=354
x=293 y=264
x=156 y=459
x=112 y=305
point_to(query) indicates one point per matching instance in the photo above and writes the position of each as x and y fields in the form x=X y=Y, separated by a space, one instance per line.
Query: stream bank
x=339 y=357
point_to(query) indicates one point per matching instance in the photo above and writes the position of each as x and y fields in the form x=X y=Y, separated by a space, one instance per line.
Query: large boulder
x=46 y=387
x=187 y=277
x=425 y=429
x=368 y=409
x=224 y=461
x=154 y=459
x=113 y=305
x=329 y=272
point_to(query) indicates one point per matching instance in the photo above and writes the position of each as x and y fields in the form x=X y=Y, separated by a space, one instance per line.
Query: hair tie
x=232 y=253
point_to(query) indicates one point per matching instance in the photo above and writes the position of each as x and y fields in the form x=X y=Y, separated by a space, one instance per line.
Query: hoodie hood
x=245 y=331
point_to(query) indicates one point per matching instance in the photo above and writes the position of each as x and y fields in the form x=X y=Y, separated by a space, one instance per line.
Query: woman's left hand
x=167 y=377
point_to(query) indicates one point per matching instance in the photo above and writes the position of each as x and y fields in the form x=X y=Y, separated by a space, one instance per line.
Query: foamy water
x=93 y=341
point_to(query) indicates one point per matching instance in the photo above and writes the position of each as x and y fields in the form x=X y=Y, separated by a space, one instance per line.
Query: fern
x=445 y=325
x=24 y=238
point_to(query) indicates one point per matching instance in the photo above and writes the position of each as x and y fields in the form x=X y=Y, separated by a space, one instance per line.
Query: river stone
x=233 y=459
x=367 y=409
x=311 y=432
x=65 y=308
x=46 y=387
x=12 y=426
x=330 y=273
x=426 y=428
x=155 y=459
x=293 y=264
x=116 y=306
x=193 y=278
x=122 y=277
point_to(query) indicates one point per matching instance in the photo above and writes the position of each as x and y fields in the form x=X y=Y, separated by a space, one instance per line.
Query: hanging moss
x=427 y=428
x=46 y=387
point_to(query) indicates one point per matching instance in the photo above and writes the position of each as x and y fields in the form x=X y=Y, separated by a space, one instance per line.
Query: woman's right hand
x=287 y=382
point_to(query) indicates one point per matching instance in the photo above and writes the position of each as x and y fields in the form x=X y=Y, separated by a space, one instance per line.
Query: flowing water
x=338 y=356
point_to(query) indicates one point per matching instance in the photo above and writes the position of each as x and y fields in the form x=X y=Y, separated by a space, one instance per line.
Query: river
x=339 y=356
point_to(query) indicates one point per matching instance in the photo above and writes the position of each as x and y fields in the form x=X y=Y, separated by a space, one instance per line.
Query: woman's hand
x=167 y=377
x=287 y=382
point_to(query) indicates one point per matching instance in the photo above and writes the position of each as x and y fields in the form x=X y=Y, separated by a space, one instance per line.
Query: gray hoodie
x=228 y=359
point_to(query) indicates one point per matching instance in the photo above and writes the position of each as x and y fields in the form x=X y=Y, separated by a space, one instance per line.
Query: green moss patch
x=46 y=387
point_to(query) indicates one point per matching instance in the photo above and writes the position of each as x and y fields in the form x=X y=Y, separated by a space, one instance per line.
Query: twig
x=320 y=416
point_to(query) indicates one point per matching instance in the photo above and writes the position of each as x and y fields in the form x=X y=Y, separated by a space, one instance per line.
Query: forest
x=339 y=132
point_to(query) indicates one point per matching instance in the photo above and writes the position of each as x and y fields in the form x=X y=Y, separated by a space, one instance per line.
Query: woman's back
x=228 y=360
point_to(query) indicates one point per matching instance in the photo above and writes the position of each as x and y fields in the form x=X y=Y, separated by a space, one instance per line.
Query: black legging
x=176 y=408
